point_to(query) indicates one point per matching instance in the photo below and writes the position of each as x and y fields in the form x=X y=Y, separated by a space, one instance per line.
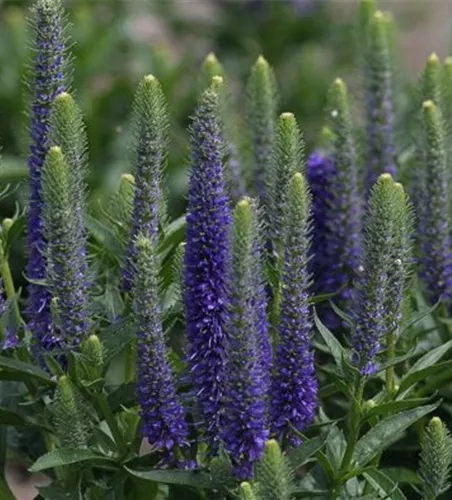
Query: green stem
x=112 y=423
x=390 y=371
x=129 y=363
x=354 y=424
x=8 y=283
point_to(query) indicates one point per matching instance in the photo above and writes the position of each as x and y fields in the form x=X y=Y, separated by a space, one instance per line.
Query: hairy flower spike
x=435 y=459
x=433 y=212
x=294 y=387
x=381 y=152
x=207 y=259
x=344 y=213
x=150 y=132
x=49 y=80
x=248 y=355
x=71 y=418
x=233 y=174
x=274 y=474
x=66 y=253
x=385 y=259
x=431 y=80
x=161 y=412
x=262 y=96
x=248 y=492
x=289 y=159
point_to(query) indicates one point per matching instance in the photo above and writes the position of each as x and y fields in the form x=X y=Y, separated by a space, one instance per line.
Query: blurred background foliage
x=116 y=42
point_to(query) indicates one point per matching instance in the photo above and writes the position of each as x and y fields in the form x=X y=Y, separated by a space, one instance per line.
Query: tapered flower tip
x=217 y=82
x=339 y=84
x=448 y=62
x=212 y=67
x=55 y=151
x=272 y=448
x=261 y=62
x=65 y=388
x=436 y=423
x=7 y=224
x=379 y=15
x=150 y=79
x=287 y=117
x=433 y=59
x=63 y=97
x=385 y=179
x=93 y=346
x=246 y=492
x=128 y=178
x=428 y=105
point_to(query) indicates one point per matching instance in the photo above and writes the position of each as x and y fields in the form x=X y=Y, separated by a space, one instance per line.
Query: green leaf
x=18 y=370
x=14 y=232
x=194 y=478
x=402 y=475
x=417 y=317
x=68 y=456
x=383 y=484
x=301 y=455
x=116 y=337
x=411 y=379
x=54 y=492
x=392 y=407
x=430 y=358
x=12 y=418
x=106 y=237
x=123 y=395
x=334 y=346
x=385 y=432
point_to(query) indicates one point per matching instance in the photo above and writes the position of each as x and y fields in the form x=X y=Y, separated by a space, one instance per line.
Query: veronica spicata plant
x=266 y=348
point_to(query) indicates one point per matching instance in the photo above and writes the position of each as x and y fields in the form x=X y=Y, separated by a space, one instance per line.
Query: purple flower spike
x=207 y=260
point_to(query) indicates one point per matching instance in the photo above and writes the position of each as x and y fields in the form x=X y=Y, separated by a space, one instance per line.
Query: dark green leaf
x=383 y=484
x=301 y=455
x=401 y=475
x=334 y=346
x=193 y=478
x=14 y=232
x=106 y=237
x=68 y=456
x=12 y=418
x=418 y=317
x=430 y=358
x=387 y=431
x=116 y=337
x=54 y=492
x=24 y=371
x=415 y=377
x=392 y=407
x=124 y=395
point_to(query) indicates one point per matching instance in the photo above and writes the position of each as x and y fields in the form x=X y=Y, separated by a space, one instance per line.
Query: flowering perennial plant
x=290 y=345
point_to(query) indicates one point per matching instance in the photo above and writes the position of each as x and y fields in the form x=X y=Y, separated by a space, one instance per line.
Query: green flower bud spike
x=71 y=420
x=247 y=492
x=431 y=80
x=274 y=475
x=262 y=97
x=435 y=459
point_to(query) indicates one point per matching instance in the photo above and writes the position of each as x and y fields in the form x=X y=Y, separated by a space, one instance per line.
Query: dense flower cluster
x=49 y=80
x=294 y=388
x=244 y=429
x=163 y=418
x=150 y=138
x=207 y=259
x=65 y=253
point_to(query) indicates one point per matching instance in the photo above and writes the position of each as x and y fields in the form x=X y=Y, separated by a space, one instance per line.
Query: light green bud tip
x=55 y=151
x=7 y=224
x=128 y=178
x=212 y=66
x=368 y=405
x=272 y=449
x=150 y=79
x=65 y=388
x=428 y=105
x=246 y=491
x=385 y=179
x=433 y=59
x=217 y=82
x=448 y=62
x=339 y=84
x=94 y=344
x=243 y=204
x=63 y=97
x=436 y=423
x=262 y=62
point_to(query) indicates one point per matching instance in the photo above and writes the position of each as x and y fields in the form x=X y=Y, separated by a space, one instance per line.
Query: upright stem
x=112 y=423
x=354 y=423
x=8 y=282
x=129 y=363
x=390 y=372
